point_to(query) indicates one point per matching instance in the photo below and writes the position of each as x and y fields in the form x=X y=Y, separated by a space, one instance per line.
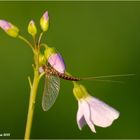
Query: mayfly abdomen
x=67 y=77
x=51 y=71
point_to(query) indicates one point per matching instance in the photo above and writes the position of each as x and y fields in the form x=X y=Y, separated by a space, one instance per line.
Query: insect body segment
x=52 y=82
x=52 y=85
x=51 y=71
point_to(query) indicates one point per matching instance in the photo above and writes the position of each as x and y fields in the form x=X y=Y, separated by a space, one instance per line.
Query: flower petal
x=101 y=114
x=46 y=15
x=57 y=62
x=80 y=117
x=87 y=114
x=4 y=25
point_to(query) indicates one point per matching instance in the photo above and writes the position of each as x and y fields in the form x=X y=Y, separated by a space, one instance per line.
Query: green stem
x=39 y=40
x=44 y=45
x=26 y=41
x=32 y=104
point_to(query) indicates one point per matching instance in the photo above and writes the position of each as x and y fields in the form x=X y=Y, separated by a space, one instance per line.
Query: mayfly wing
x=51 y=91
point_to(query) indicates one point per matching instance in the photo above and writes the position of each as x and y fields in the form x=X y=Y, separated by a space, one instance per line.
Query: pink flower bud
x=5 y=25
x=44 y=21
x=9 y=28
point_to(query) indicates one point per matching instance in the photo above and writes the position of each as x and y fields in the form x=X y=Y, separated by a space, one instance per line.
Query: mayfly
x=54 y=70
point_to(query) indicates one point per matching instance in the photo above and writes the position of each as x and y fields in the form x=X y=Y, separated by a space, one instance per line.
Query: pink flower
x=92 y=111
x=57 y=62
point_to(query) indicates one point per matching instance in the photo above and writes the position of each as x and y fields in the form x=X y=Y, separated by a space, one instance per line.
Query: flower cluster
x=13 y=31
x=91 y=110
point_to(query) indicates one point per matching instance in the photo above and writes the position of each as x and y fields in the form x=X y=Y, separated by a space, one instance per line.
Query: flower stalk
x=37 y=76
x=32 y=100
x=33 y=93
x=26 y=41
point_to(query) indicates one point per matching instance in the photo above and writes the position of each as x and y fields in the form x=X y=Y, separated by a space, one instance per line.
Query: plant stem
x=34 y=86
x=32 y=104
x=41 y=34
x=26 y=41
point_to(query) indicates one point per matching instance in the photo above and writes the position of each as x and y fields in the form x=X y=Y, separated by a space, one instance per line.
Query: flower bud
x=9 y=28
x=42 y=60
x=32 y=28
x=79 y=91
x=44 y=21
x=48 y=52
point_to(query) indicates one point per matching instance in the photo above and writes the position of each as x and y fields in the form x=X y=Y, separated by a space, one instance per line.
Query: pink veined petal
x=80 y=117
x=57 y=62
x=87 y=114
x=102 y=114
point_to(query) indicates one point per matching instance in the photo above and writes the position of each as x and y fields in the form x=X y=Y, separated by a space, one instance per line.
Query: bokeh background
x=95 y=38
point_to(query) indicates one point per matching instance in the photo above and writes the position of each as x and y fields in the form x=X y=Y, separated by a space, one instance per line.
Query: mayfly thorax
x=49 y=70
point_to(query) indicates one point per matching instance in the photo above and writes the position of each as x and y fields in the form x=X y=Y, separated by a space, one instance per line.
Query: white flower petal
x=80 y=117
x=102 y=114
x=87 y=114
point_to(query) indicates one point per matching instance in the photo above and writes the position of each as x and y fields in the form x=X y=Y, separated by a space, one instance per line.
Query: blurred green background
x=95 y=38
